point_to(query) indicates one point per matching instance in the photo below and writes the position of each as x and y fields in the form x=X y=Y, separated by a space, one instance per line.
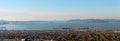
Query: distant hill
x=2 y=22
x=76 y=20
x=95 y=20
x=113 y=20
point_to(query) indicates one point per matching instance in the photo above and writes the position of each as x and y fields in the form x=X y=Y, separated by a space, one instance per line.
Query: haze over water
x=56 y=12
x=38 y=25
x=28 y=10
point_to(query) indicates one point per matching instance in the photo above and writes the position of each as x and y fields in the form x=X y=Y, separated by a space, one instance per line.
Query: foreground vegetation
x=63 y=35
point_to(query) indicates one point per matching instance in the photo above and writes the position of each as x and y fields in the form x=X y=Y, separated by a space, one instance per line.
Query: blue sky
x=59 y=9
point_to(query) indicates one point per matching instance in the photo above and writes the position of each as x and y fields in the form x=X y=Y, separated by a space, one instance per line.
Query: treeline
x=62 y=35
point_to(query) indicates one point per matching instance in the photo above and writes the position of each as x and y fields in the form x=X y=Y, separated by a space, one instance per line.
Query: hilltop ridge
x=95 y=20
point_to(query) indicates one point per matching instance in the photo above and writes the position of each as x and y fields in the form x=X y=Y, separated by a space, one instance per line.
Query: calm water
x=58 y=24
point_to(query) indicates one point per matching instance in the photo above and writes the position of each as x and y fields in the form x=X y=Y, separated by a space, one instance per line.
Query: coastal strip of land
x=62 y=35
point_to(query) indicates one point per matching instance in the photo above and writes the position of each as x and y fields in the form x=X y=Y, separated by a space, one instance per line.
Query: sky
x=25 y=10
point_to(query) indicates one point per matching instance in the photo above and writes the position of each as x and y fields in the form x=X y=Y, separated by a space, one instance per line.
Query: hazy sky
x=59 y=9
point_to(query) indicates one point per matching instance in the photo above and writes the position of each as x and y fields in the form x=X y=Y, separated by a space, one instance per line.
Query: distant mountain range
x=95 y=20
x=2 y=22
